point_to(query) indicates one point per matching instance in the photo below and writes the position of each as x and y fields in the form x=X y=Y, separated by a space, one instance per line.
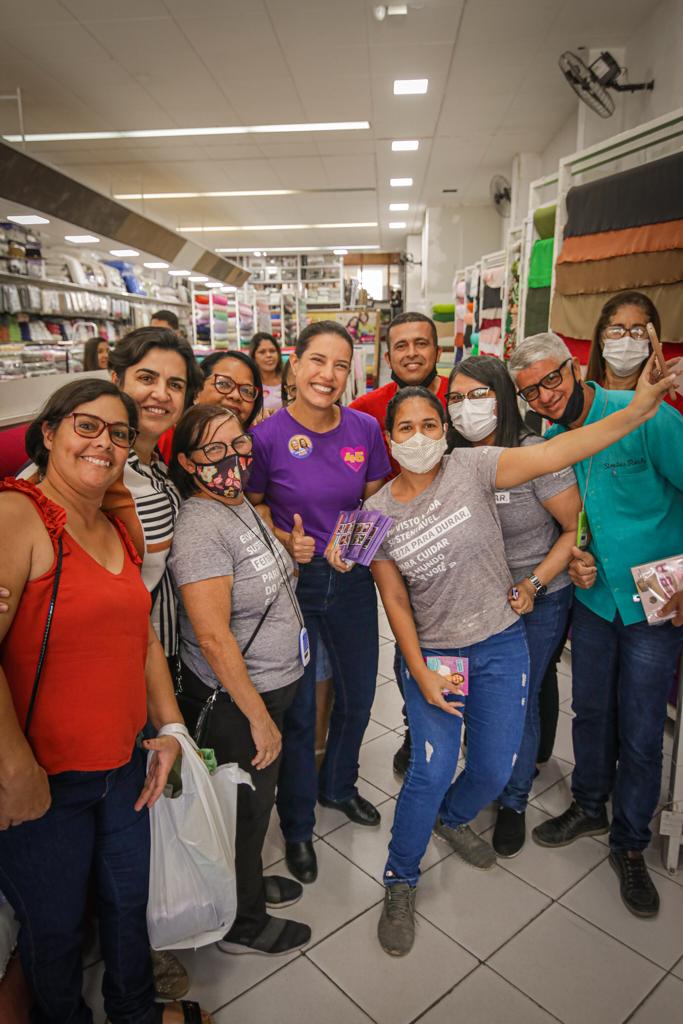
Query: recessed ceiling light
x=399 y=207
x=229 y=288
x=179 y=133
x=212 y=284
x=81 y=239
x=26 y=218
x=219 y=228
x=209 y=195
x=410 y=86
x=396 y=225
x=124 y=252
x=198 y=278
x=293 y=248
x=156 y=266
x=400 y=182
x=179 y=273
x=340 y=252
x=405 y=145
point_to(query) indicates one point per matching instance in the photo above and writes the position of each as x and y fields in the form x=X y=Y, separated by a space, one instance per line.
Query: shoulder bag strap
x=46 y=634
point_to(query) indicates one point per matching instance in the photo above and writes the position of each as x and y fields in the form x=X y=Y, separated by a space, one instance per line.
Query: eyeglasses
x=290 y=391
x=638 y=332
x=215 y=451
x=86 y=425
x=551 y=381
x=226 y=386
x=454 y=397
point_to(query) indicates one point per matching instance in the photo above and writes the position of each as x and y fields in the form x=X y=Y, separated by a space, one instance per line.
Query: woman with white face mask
x=538 y=520
x=444 y=581
x=621 y=343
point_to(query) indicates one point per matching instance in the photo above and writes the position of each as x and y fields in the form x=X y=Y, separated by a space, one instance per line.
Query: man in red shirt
x=412 y=353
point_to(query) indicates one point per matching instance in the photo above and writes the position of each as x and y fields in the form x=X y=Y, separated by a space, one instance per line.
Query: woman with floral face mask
x=482 y=406
x=444 y=581
x=239 y=624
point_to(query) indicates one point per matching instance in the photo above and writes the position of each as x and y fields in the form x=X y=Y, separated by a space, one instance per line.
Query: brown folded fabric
x=576 y=315
x=606 y=244
x=620 y=273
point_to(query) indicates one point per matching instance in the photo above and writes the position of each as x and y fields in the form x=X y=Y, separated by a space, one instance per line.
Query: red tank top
x=92 y=698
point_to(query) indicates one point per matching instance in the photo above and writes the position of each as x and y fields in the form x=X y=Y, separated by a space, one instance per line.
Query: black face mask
x=423 y=383
x=574 y=406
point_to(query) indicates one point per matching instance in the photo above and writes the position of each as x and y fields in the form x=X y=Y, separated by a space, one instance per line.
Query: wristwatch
x=539 y=587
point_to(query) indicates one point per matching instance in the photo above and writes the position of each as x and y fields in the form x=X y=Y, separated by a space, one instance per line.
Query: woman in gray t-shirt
x=538 y=520
x=240 y=629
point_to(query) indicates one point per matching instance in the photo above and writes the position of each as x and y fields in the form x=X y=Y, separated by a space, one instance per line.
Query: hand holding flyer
x=657 y=583
x=358 y=534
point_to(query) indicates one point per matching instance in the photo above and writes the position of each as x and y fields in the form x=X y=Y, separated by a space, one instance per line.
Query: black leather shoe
x=302 y=861
x=637 y=888
x=357 y=809
x=509 y=833
x=402 y=755
x=566 y=827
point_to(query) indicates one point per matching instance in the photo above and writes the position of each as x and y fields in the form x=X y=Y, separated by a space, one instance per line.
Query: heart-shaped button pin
x=353 y=457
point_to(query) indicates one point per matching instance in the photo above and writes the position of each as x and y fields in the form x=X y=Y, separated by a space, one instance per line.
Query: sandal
x=170 y=977
x=192 y=1013
x=278 y=937
x=280 y=891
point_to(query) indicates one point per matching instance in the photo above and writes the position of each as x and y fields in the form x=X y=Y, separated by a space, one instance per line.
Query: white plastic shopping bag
x=192 y=890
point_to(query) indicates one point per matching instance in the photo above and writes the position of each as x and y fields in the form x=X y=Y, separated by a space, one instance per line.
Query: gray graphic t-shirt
x=529 y=530
x=449 y=549
x=213 y=540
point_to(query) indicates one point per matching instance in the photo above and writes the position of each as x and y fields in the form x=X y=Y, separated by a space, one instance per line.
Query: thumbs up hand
x=301 y=547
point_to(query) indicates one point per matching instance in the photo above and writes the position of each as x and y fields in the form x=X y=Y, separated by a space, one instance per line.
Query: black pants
x=227 y=731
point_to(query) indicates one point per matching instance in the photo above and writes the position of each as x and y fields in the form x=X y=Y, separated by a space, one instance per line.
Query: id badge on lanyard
x=304 y=647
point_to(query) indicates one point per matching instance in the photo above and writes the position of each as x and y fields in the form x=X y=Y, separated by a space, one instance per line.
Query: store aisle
x=543 y=937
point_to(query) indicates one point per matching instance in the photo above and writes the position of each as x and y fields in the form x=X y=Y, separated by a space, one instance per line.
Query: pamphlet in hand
x=657 y=583
x=447 y=665
x=358 y=534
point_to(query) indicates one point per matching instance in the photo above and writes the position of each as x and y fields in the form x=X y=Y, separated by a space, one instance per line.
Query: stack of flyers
x=447 y=665
x=358 y=534
x=657 y=582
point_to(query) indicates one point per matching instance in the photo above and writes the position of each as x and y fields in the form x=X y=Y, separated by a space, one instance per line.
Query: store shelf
x=55 y=283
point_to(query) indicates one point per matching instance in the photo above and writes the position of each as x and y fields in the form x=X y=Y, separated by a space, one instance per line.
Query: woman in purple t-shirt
x=311 y=461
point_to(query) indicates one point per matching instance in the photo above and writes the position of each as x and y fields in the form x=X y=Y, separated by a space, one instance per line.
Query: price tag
x=671 y=823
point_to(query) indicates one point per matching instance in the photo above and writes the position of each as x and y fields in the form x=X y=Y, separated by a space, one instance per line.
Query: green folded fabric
x=544 y=221
x=537 y=311
x=443 y=307
x=443 y=318
x=541 y=263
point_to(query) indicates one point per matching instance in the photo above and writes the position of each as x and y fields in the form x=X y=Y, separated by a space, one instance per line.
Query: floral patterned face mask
x=227 y=478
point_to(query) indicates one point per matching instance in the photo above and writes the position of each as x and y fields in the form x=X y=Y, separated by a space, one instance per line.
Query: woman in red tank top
x=73 y=791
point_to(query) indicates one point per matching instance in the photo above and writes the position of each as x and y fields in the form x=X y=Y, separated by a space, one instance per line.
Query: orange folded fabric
x=606 y=244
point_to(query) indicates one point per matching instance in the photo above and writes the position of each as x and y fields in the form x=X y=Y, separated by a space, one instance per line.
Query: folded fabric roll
x=443 y=307
x=544 y=221
x=460 y=310
x=489 y=322
x=460 y=290
x=648 y=194
x=492 y=297
x=537 y=311
x=491 y=313
x=620 y=273
x=494 y=277
x=202 y=300
x=606 y=244
x=490 y=343
x=541 y=263
x=576 y=315
x=443 y=318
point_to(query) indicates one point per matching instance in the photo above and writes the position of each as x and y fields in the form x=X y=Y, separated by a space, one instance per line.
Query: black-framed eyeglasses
x=454 y=397
x=87 y=425
x=214 y=451
x=615 y=332
x=551 y=381
x=226 y=385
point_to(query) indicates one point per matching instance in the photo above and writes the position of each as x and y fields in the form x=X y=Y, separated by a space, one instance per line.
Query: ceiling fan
x=591 y=82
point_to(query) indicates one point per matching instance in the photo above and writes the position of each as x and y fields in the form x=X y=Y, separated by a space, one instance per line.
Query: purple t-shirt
x=316 y=475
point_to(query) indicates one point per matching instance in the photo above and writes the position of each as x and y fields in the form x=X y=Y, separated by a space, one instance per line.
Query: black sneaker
x=402 y=755
x=396 y=928
x=509 y=833
x=637 y=888
x=278 y=936
x=567 y=827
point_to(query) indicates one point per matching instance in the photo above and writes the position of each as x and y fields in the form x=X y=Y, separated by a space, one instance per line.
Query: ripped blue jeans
x=494 y=711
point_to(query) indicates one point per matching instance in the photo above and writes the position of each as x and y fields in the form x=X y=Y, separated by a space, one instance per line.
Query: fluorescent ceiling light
x=156 y=266
x=340 y=252
x=27 y=218
x=81 y=239
x=218 y=228
x=229 y=288
x=179 y=273
x=124 y=252
x=407 y=87
x=400 y=182
x=396 y=225
x=399 y=207
x=179 y=133
x=396 y=9
x=209 y=195
x=295 y=248
x=198 y=278
x=212 y=284
x=402 y=146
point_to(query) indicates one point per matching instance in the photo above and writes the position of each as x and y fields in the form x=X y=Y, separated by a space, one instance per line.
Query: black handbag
x=46 y=636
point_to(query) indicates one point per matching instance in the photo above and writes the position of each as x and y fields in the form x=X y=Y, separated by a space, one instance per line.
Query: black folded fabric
x=649 y=194
x=492 y=297
x=537 y=311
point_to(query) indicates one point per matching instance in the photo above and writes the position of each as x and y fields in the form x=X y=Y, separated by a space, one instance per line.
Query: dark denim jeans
x=341 y=608
x=494 y=712
x=545 y=626
x=46 y=866
x=621 y=676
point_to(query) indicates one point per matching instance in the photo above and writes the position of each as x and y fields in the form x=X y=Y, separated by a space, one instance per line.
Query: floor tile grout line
x=337 y=986
x=522 y=992
x=633 y=1012
x=441 y=998
x=251 y=988
x=555 y=899
x=637 y=952
x=314 y=945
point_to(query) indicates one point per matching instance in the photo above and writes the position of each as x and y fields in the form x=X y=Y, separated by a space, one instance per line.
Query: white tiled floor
x=541 y=938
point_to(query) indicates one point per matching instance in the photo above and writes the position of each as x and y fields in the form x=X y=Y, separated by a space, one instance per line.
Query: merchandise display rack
x=511 y=288
x=539 y=196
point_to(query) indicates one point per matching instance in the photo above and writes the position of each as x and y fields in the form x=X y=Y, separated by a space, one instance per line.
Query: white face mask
x=475 y=420
x=419 y=453
x=624 y=355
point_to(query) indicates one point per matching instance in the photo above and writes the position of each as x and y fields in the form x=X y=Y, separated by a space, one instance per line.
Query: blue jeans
x=91 y=830
x=494 y=712
x=545 y=625
x=621 y=676
x=341 y=609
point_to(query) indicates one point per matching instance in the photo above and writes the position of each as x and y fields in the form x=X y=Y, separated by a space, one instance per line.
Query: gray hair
x=534 y=349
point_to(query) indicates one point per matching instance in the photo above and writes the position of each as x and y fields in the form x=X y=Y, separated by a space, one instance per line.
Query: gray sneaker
x=396 y=928
x=467 y=844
